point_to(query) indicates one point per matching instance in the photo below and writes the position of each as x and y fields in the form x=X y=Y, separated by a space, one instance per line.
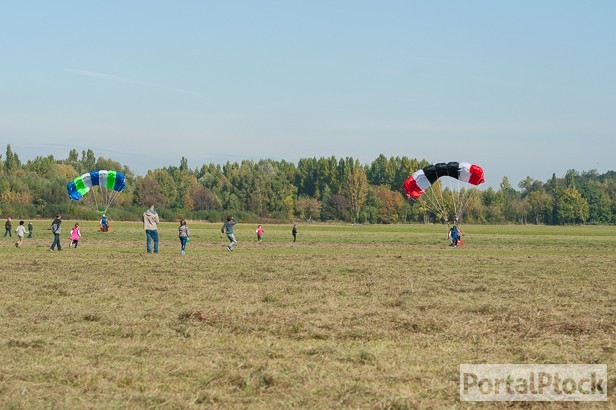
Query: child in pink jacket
x=259 y=233
x=75 y=235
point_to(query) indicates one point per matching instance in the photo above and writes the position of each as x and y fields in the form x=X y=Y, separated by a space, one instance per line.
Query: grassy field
x=347 y=317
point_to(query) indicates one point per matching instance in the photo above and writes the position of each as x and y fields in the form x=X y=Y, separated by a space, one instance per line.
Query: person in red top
x=259 y=233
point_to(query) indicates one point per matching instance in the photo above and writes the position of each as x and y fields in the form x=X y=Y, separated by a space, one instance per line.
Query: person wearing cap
x=150 y=225
x=55 y=229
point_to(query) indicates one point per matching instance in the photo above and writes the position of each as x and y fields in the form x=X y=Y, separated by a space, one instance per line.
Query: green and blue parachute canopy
x=109 y=180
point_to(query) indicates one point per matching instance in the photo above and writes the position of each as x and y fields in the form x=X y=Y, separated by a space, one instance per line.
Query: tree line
x=313 y=189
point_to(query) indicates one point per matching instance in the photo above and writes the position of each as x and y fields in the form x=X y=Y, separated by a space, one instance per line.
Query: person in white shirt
x=21 y=232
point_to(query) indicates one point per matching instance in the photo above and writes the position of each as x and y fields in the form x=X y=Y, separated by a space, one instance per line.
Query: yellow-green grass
x=347 y=317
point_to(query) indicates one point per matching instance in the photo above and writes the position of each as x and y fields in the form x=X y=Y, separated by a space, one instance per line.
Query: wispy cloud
x=94 y=74
x=111 y=77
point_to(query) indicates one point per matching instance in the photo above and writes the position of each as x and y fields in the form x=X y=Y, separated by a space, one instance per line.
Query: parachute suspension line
x=467 y=201
x=436 y=200
x=455 y=201
x=103 y=192
x=442 y=201
x=106 y=191
x=436 y=207
x=432 y=204
x=460 y=205
x=114 y=195
x=469 y=197
x=95 y=198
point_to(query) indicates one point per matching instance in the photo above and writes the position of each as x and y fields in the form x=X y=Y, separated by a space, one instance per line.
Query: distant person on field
x=294 y=232
x=75 y=235
x=259 y=233
x=104 y=223
x=227 y=228
x=8 y=227
x=55 y=230
x=184 y=234
x=21 y=232
x=150 y=225
x=30 y=229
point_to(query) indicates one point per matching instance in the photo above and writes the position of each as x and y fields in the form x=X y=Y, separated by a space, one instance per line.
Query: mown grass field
x=347 y=317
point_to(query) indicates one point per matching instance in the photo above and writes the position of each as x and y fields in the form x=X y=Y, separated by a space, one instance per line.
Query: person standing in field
x=259 y=233
x=184 y=234
x=294 y=232
x=227 y=228
x=21 y=232
x=75 y=235
x=150 y=225
x=30 y=227
x=8 y=227
x=55 y=230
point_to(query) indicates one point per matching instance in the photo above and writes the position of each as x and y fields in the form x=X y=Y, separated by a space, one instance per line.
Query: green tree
x=509 y=198
x=539 y=206
x=382 y=171
x=168 y=187
x=306 y=177
x=42 y=166
x=356 y=188
x=88 y=161
x=327 y=177
x=11 y=162
x=599 y=204
x=571 y=208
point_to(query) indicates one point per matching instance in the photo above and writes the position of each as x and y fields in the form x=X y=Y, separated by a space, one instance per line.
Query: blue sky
x=522 y=88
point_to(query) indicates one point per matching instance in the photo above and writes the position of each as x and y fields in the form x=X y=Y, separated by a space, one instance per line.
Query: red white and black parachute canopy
x=421 y=180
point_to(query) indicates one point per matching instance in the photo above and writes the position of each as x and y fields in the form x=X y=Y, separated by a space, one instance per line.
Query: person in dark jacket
x=294 y=232
x=55 y=230
x=8 y=226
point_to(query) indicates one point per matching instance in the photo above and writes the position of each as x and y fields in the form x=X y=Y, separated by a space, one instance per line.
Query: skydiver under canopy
x=455 y=234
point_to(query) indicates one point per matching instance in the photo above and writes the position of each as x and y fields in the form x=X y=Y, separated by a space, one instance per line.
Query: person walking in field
x=75 y=235
x=227 y=228
x=184 y=234
x=55 y=230
x=21 y=232
x=150 y=225
x=8 y=227
x=30 y=227
x=294 y=232
x=259 y=233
